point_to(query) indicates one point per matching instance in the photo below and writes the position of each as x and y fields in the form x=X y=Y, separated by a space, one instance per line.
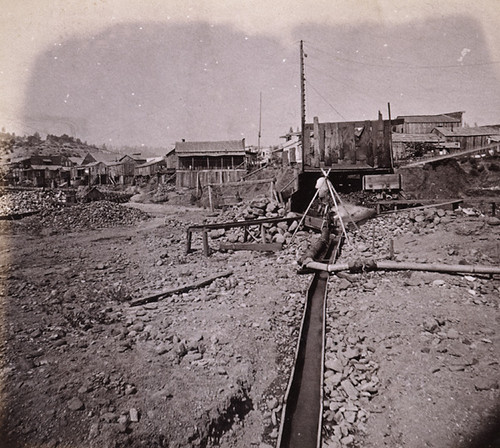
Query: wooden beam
x=179 y=290
x=264 y=247
x=248 y=182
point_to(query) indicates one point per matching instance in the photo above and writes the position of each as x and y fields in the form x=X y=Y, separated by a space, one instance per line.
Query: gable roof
x=152 y=161
x=441 y=118
x=100 y=157
x=135 y=158
x=76 y=160
x=220 y=148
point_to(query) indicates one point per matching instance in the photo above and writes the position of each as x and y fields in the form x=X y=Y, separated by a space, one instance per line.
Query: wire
x=325 y=100
x=404 y=63
x=347 y=84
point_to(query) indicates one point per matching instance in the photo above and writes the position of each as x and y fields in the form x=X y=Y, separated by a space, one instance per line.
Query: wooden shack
x=349 y=150
x=350 y=146
x=203 y=163
x=424 y=124
x=151 y=168
x=468 y=138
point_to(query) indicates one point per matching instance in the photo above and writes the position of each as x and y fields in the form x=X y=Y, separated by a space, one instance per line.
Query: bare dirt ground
x=82 y=368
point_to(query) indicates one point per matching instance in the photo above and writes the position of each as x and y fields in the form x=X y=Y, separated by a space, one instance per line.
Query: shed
x=405 y=145
x=171 y=159
x=93 y=195
x=151 y=168
x=469 y=138
x=424 y=124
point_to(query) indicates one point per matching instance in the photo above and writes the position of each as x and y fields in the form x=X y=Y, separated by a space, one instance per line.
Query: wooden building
x=404 y=146
x=171 y=159
x=291 y=149
x=468 y=138
x=96 y=173
x=124 y=173
x=41 y=171
x=151 y=168
x=424 y=124
x=351 y=146
x=202 y=163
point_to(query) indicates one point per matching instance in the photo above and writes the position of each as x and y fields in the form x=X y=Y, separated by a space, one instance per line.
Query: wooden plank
x=328 y=143
x=336 y=147
x=379 y=141
x=243 y=183
x=316 y=158
x=347 y=143
x=441 y=204
x=263 y=247
x=179 y=290
x=370 y=157
x=363 y=147
x=246 y=223
x=321 y=138
x=386 y=155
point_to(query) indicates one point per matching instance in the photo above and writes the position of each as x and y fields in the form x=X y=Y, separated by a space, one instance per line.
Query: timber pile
x=100 y=214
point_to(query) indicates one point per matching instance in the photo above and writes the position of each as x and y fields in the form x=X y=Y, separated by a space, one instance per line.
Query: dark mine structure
x=349 y=150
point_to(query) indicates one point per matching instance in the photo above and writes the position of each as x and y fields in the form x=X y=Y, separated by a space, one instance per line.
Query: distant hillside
x=13 y=147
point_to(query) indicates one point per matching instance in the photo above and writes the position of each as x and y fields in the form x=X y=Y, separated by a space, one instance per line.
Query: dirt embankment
x=452 y=179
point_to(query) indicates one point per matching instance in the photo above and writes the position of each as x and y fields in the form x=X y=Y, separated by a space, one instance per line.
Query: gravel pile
x=94 y=215
x=371 y=240
x=30 y=201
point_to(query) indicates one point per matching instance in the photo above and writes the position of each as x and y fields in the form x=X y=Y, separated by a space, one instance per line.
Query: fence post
x=210 y=198
x=188 y=241
x=206 y=247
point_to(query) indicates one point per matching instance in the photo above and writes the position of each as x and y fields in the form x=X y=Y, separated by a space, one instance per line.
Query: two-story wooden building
x=202 y=163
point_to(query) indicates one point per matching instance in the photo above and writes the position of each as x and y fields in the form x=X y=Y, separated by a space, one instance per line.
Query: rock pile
x=372 y=237
x=350 y=379
x=259 y=208
x=94 y=215
x=29 y=201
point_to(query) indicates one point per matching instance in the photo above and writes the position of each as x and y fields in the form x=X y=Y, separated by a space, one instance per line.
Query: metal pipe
x=387 y=265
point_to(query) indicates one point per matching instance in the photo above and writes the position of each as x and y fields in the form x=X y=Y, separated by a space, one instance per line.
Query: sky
x=127 y=72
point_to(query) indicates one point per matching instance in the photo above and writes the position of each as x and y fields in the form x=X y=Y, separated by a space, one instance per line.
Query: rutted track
x=302 y=411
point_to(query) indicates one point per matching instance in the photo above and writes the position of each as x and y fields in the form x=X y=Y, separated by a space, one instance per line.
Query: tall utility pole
x=302 y=101
x=260 y=120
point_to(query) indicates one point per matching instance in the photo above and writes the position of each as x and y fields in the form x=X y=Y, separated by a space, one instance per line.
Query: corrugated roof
x=410 y=138
x=151 y=162
x=467 y=132
x=228 y=147
x=442 y=118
